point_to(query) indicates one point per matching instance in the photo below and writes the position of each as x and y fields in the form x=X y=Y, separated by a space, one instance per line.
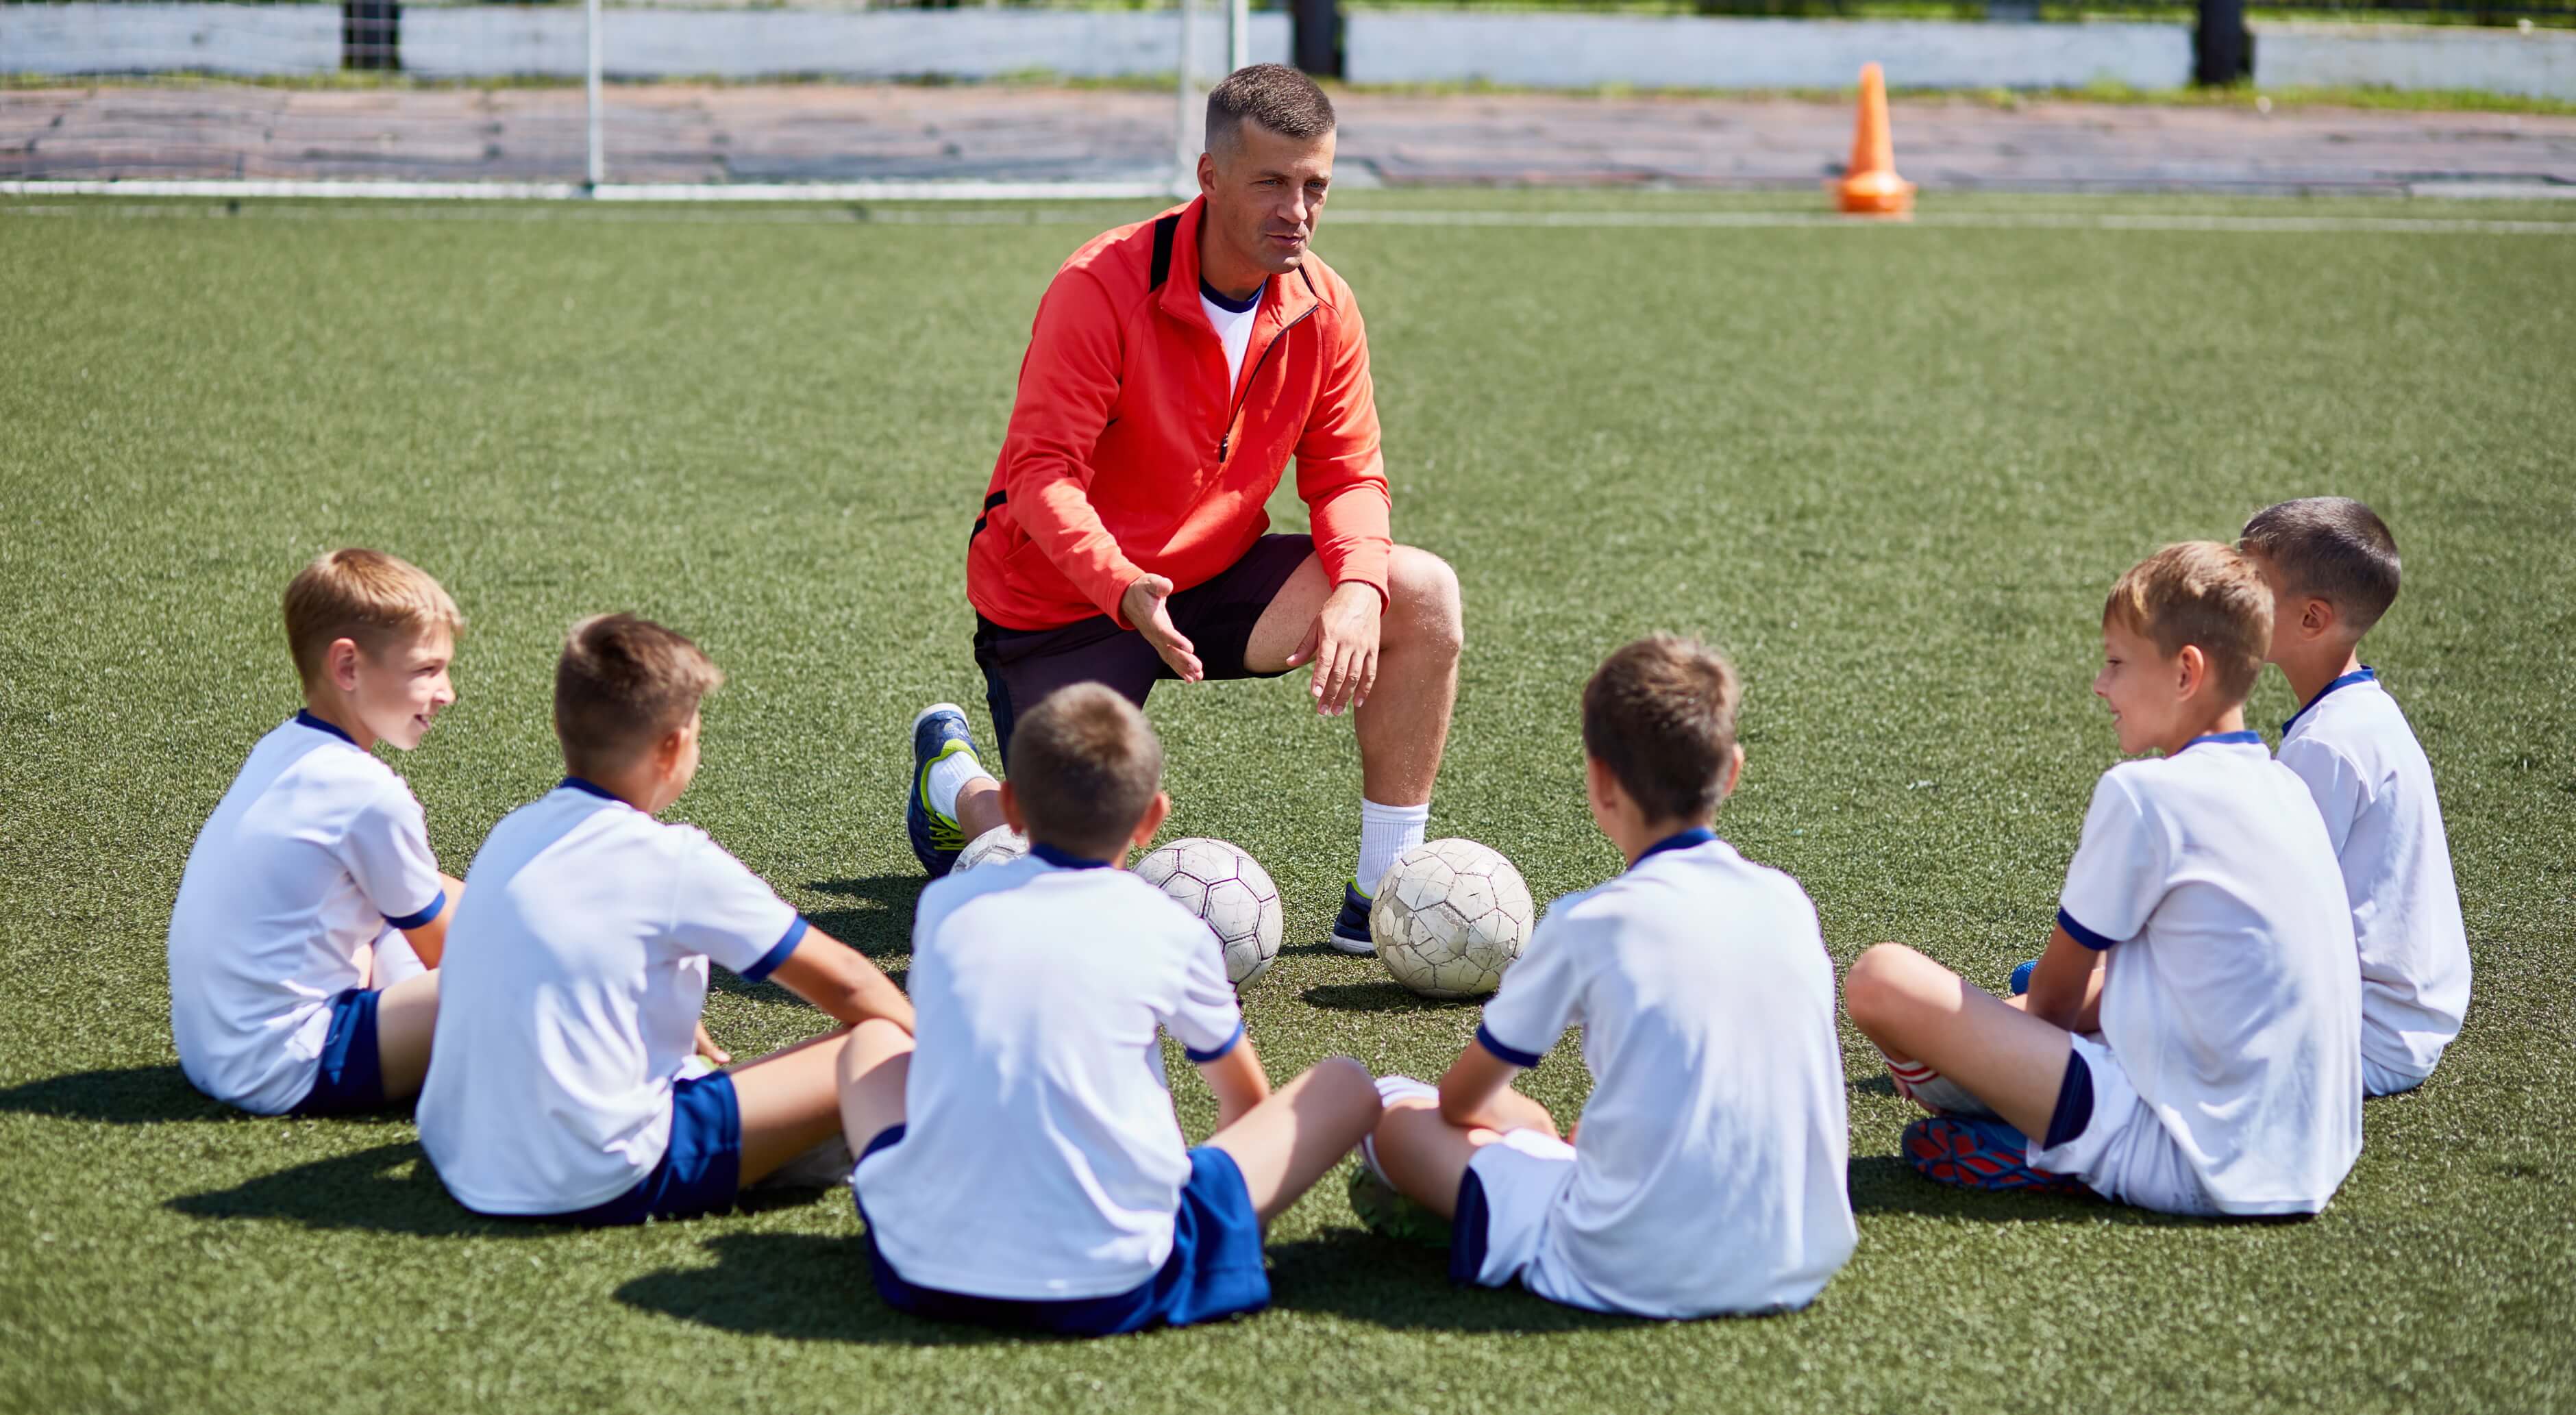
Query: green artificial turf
x=1891 y=470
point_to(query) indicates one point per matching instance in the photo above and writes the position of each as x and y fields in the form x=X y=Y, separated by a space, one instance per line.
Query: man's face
x=1265 y=192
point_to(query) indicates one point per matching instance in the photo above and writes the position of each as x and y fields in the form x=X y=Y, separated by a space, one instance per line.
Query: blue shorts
x=352 y=1079
x=1214 y=1270
x=699 y=1173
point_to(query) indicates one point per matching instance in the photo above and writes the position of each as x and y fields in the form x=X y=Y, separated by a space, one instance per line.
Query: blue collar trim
x=318 y=725
x=2363 y=674
x=1684 y=840
x=1245 y=305
x=593 y=787
x=1066 y=860
x=2224 y=739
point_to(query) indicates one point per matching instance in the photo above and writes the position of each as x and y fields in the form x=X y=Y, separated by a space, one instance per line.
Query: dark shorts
x=1022 y=666
x=352 y=1079
x=1214 y=1270
x=699 y=1172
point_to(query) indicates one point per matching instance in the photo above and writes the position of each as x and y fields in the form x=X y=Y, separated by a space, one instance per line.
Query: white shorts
x=2378 y=1080
x=1523 y=1177
x=2124 y=1153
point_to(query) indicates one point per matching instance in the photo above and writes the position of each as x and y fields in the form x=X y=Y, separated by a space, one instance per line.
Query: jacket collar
x=1284 y=300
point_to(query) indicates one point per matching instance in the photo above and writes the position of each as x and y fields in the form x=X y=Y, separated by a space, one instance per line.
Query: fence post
x=1317 y=44
x=1187 y=127
x=371 y=34
x=1238 y=34
x=597 y=167
x=2222 y=52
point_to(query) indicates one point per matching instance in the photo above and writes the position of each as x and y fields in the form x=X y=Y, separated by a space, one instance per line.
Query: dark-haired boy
x=1024 y=1168
x=1710 y=1173
x=577 y=969
x=2202 y=935
x=2332 y=568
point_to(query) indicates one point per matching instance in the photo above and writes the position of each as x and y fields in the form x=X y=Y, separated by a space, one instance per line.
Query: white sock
x=1932 y=1090
x=1386 y=832
x=951 y=774
x=1390 y=1089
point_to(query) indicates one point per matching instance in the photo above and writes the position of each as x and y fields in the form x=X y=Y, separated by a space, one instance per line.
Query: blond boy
x=2201 y=937
x=309 y=924
x=562 y=1086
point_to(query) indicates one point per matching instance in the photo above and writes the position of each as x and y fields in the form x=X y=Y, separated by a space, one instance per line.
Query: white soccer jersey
x=2231 y=996
x=576 y=969
x=2362 y=764
x=316 y=853
x=1041 y=1159
x=1710 y=1173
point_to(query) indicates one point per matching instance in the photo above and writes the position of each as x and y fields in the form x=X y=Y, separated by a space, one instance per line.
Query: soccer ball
x=1449 y=917
x=998 y=846
x=1229 y=891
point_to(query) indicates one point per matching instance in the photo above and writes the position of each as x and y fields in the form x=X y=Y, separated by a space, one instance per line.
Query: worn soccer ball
x=998 y=846
x=1229 y=891
x=1449 y=917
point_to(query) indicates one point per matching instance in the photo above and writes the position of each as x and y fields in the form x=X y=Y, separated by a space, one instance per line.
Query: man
x=1175 y=368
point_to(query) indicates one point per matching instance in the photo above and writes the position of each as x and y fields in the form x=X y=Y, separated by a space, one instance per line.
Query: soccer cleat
x=2021 y=977
x=1985 y=1155
x=938 y=733
x=1351 y=931
x=1389 y=1214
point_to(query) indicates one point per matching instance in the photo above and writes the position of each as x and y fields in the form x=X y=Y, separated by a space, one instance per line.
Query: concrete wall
x=2539 y=64
x=1584 y=51
x=1382 y=46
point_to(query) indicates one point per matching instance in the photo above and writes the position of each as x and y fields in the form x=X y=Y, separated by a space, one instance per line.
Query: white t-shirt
x=2231 y=997
x=316 y=851
x=575 y=972
x=1041 y=1159
x=1710 y=1172
x=2361 y=762
x=1233 y=328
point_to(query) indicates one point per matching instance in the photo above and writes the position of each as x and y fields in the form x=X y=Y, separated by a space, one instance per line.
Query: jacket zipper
x=1225 y=439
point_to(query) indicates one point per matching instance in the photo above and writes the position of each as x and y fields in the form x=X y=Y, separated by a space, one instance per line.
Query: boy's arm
x=2066 y=987
x=429 y=941
x=1238 y=1080
x=840 y=980
x=1475 y=1080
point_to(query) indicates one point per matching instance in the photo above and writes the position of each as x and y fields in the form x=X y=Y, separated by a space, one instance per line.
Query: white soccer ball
x=998 y=846
x=1229 y=891
x=1449 y=917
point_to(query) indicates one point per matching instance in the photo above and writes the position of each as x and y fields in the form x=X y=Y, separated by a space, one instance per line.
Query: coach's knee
x=1423 y=603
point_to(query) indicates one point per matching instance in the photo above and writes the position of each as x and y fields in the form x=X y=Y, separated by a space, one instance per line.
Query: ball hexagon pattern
x=1449 y=917
x=1230 y=893
x=998 y=846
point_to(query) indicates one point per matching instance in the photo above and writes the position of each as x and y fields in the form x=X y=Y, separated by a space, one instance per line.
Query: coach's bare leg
x=979 y=806
x=1403 y=718
x=790 y=1102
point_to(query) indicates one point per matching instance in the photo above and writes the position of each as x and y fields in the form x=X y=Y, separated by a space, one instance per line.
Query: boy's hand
x=707 y=1048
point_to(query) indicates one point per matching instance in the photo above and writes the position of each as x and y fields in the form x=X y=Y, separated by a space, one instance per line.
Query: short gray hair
x=1275 y=96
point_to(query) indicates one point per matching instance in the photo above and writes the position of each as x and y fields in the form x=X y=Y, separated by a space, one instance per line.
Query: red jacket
x=1127 y=452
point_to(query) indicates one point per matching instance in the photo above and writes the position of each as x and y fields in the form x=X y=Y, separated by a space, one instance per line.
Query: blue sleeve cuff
x=1525 y=1060
x=437 y=902
x=2081 y=934
x=777 y=954
x=1202 y=1058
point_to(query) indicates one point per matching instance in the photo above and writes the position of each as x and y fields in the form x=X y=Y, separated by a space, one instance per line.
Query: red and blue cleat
x=1985 y=1155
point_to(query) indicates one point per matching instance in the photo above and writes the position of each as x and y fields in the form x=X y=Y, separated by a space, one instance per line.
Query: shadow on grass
x=1357 y=1275
x=1381 y=996
x=1875 y=1084
x=386 y=1189
x=138 y=1095
x=798 y=1285
x=1887 y=1184
x=881 y=921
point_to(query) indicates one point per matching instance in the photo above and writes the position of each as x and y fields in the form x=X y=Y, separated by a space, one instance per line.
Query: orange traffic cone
x=1870 y=186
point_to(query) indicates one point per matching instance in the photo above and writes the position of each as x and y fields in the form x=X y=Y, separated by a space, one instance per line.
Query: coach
x=1174 y=369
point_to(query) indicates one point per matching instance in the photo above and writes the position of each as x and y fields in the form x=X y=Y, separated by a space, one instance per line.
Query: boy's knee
x=1869 y=989
x=1348 y=1083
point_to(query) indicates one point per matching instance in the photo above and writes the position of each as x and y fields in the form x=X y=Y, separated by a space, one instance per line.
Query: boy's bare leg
x=406 y=1014
x=1426 y=1157
x=1917 y=1010
x=874 y=1066
x=1289 y=1141
x=788 y=1103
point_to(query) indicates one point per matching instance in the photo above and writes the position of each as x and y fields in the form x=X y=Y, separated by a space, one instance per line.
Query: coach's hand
x=1343 y=647
x=1147 y=605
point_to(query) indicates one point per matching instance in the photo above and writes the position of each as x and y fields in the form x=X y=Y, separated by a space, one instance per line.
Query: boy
x=310 y=920
x=579 y=968
x=1024 y=1169
x=1710 y=1177
x=2202 y=935
x=2332 y=568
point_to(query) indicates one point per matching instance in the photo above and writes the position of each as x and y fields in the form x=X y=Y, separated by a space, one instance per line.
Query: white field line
x=499 y=206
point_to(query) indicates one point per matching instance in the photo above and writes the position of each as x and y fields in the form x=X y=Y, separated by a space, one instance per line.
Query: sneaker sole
x=1356 y=947
x=932 y=711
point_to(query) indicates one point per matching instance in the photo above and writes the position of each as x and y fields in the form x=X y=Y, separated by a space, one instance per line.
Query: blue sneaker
x=1986 y=1155
x=937 y=734
x=2021 y=977
x=1351 y=931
